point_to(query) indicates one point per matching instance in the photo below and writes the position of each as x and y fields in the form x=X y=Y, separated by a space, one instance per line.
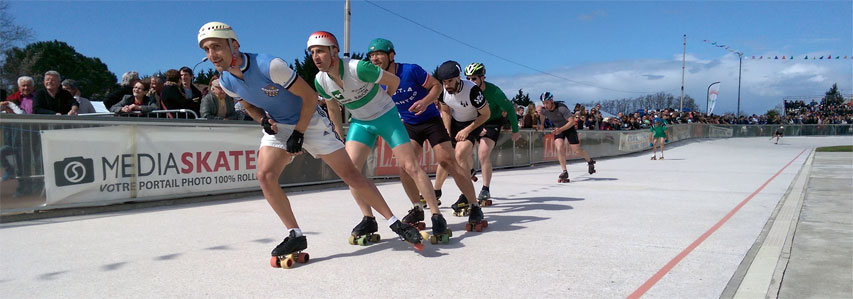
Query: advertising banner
x=387 y=165
x=125 y=162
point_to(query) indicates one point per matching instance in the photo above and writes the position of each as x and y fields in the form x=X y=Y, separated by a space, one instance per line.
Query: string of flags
x=777 y=57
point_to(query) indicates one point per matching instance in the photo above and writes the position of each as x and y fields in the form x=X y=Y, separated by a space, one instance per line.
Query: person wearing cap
x=415 y=98
x=358 y=86
x=565 y=128
x=778 y=134
x=501 y=110
x=287 y=109
x=464 y=111
x=658 y=136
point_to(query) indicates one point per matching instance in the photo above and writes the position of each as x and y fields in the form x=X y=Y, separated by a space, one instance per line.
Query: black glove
x=294 y=143
x=265 y=122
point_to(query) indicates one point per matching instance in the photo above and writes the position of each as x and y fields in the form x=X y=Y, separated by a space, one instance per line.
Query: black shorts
x=431 y=129
x=456 y=127
x=570 y=134
x=777 y=134
x=493 y=129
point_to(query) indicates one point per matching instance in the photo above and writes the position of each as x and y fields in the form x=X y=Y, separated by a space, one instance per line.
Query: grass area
x=840 y=148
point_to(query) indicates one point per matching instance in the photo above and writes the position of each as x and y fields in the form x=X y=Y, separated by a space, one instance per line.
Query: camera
x=73 y=171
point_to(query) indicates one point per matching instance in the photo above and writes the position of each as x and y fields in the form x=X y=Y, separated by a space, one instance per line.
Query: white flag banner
x=105 y=164
x=713 y=91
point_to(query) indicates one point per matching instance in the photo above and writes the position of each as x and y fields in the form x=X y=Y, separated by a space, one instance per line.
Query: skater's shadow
x=671 y=159
x=585 y=179
x=512 y=205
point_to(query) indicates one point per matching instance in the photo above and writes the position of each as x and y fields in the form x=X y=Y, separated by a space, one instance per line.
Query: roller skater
x=564 y=177
x=658 y=135
x=778 y=134
x=290 y=251
x=565 y=129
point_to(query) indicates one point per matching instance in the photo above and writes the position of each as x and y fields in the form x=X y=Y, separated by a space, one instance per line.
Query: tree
x=10 y=35
x=833 y=96
x=203 y=77
x=522 y=99
x=772 y=116
x=37 y=58
x=306 y=69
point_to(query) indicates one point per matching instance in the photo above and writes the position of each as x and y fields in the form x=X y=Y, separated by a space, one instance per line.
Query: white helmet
x=322 y=38
x=215 y=30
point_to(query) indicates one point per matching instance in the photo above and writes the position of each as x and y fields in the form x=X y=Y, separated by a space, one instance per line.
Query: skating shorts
x=493 y=129
x=388 y=126
x=570 y=134
x=431 y=129
x=456 y=127
x=320 y=137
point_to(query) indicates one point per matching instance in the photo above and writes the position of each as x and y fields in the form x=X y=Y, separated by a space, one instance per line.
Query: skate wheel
x=474 y=178
x=287 y=263
x=478 y=228
x=374 y=238
x=433 y=240
x=424 y=235
x=449 y=233
x=362 y=241
x=445 y=239
x=274 y=262
x=421 y=225
x=484 y=223
x=468 y=227
x=419 y=246
x=302 y=257
x=352 y=240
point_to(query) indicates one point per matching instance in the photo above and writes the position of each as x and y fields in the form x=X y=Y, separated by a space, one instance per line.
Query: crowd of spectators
x=827 y=111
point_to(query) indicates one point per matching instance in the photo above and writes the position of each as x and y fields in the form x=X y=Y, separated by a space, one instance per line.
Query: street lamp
x=740 y=62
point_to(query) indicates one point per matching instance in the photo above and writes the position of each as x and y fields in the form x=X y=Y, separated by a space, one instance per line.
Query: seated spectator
x=52 y=99
x=172 y=97
x=189 y=90
x=139 y=101
x=217 y=104
x=70 y=86
x=126 y=88
x=23 y=98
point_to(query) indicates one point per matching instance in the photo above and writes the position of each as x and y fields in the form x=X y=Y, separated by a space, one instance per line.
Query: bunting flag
x=775 y=57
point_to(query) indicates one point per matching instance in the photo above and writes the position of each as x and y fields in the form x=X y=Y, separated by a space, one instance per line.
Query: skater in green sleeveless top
x=658 y=135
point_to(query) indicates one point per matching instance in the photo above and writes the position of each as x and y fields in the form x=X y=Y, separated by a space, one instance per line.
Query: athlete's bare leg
x=271 y=163
x=366 y=194
x=485 y=154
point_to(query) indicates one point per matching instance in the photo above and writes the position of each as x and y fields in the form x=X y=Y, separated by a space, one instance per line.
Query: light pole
x=708 y=98
x=683 y=54
x=740 y=62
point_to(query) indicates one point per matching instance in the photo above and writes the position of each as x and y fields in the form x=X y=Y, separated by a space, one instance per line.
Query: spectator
x=71 y=87
x=172 y=97
x=138 y=102
x=156 y=89
x=217 y=104
x=52 y=99
x=530 y=119
x=126 y=88
x=23 y=98
x=189 y=90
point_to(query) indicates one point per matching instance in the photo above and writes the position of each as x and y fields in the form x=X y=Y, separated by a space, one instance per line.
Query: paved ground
x=677 y=228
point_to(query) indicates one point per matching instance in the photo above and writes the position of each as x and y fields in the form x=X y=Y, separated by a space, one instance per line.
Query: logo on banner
x=73 y=171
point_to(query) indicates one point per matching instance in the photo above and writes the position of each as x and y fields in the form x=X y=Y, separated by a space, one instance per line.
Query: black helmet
x=448 y=69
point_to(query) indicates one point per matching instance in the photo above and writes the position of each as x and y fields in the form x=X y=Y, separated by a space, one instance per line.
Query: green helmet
x=380 y=44
x=475 y=69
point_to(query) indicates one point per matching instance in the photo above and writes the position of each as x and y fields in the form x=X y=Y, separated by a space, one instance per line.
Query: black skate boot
x=365 y=231
x=415 y=217
x=460 y=208
x=484 y=198
x=564 y=177
x=475 y=220
x=591 y=165
x=437 y=196
x=289 y=251
x=408 y=233
x=440 y=233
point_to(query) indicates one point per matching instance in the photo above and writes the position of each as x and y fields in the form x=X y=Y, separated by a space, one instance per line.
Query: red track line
x=666 y=268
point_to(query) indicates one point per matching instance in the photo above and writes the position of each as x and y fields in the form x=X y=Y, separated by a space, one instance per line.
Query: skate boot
x=484 y=198
x=475 y=220
x=289 y=251
x=408 y=233
x=415 y=217
x=655 y=157
x=591 y=165
x=364 y=232
x=440 y=233
x=460 y=208
x=564 y=177
x=473 y=175
x=661 y=157
x=437 y=197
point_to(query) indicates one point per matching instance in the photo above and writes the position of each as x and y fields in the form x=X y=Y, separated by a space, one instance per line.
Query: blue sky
x=581 y=51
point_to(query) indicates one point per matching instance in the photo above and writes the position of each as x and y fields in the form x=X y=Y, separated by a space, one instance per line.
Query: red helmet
x=322 y=38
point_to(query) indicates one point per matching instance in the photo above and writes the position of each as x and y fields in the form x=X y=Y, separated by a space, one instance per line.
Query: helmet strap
x=234 y=55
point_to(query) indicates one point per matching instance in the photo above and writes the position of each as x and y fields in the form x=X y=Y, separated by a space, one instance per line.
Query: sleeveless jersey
x=464 y=104
x=412 y=81
x=264 y=85
x=361 y=93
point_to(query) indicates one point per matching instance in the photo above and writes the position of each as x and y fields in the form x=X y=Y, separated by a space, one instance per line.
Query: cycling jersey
x=465 y=104
x=264 y=85
x=412 y=81
x=498 y=103
x=361 y=93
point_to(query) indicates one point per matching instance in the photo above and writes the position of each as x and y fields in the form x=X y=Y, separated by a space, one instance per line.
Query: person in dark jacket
x=217 y=104
x=126 y=88
x=172 y=97
x=52 y=99
x=139 y=101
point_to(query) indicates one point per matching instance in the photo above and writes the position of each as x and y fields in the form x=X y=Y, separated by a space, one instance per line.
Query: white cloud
x=764 y=83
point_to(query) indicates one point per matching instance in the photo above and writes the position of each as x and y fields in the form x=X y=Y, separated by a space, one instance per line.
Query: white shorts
x=319 y=139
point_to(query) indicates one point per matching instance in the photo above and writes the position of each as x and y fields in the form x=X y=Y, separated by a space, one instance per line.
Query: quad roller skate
x=408 y=233
x=564 y=177
x=440 y=233
x=437 y=197
x=475 y=220
x=655 y=157
x=460 y=208
x=591 y=165
x=415 y=217
x=364 y=232
x=484 y=198
x=289 y=252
